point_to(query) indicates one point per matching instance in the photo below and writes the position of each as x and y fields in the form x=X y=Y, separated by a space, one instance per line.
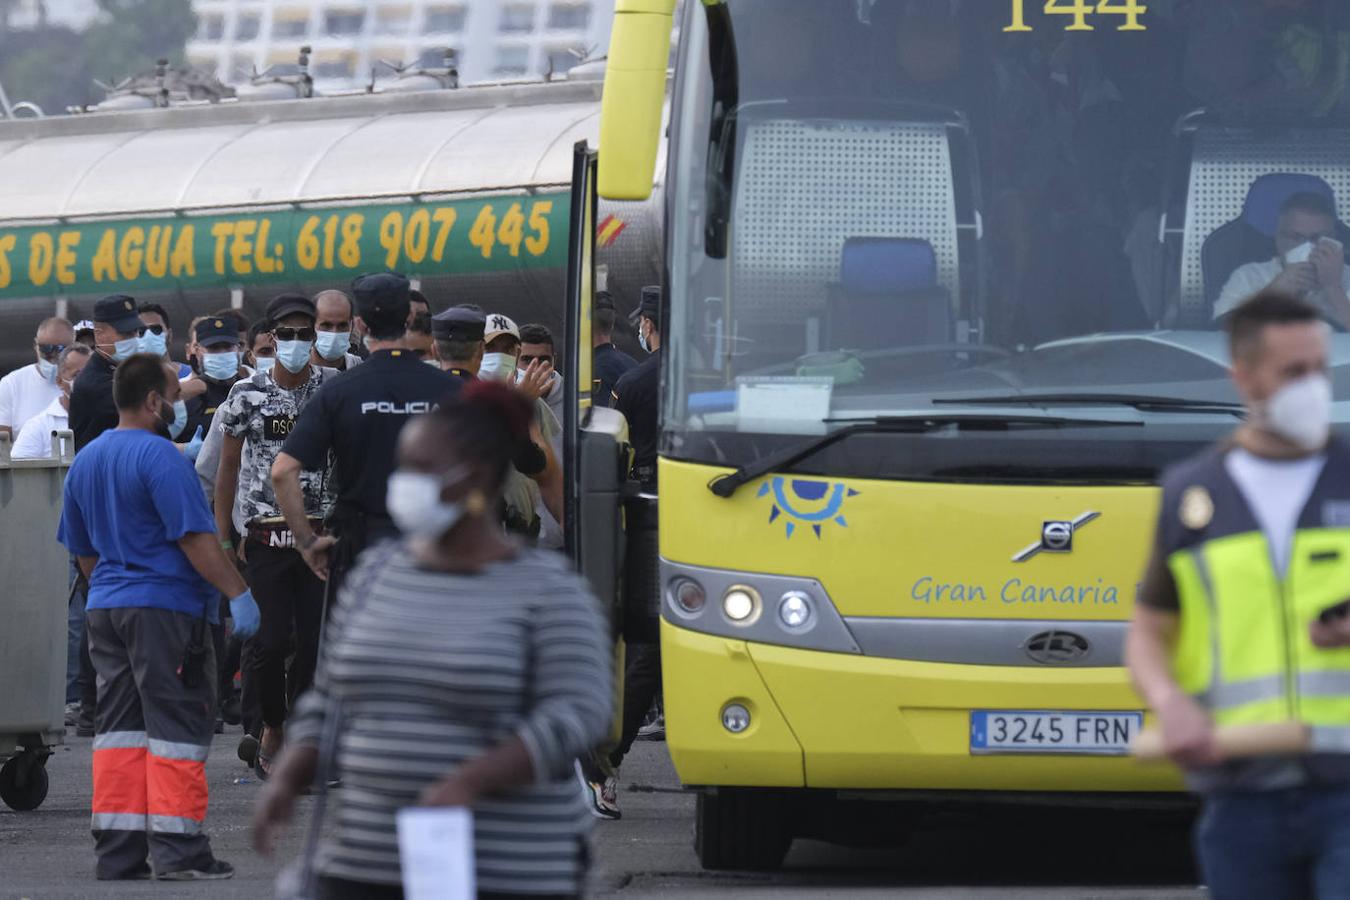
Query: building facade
x=492 y=39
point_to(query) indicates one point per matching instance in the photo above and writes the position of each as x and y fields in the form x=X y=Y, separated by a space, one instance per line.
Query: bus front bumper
x=849 y=722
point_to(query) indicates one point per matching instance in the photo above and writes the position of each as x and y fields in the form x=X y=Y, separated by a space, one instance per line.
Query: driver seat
x=887 y=295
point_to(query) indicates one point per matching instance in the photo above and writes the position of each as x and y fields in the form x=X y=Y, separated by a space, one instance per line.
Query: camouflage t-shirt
x=262 y=413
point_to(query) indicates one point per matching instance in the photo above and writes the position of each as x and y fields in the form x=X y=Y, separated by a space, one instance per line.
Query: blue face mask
x=179 y=420
x=332 y=345
x=154 y=343
x=220 y=366
x=642 y=342
x=125 y=348
x=294 y=355
x=264 y=363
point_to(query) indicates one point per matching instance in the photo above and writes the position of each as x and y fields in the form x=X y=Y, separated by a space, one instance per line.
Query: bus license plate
x=1013 y=731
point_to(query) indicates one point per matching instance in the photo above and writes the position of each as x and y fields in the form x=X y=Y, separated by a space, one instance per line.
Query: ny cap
x=214 y=331
x=382 y=299
x=498 y=324
x=459 y=324
x=119 y=311
x=283 y=305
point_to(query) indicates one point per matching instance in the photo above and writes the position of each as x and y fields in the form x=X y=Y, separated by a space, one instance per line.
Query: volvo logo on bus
x=1056 y=536
x=1058 y=648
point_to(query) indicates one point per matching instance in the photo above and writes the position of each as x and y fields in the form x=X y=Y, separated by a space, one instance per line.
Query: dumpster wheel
x=23 y=781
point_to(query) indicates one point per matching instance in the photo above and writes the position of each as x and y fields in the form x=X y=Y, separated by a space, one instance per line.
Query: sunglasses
x=153 y=329
x=50 y=351
x=285 y=333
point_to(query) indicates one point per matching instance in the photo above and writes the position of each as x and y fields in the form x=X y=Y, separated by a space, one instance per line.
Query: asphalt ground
x=950 y=853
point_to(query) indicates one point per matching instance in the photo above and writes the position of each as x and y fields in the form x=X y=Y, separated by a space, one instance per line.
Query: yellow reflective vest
x=1243 y=649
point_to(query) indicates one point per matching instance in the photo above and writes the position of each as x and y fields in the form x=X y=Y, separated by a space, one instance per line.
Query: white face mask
x=414 y=503
x=1300 y=412
x=497 y=367
x=47 y=370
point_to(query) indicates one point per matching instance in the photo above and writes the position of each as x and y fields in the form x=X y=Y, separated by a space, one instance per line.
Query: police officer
x=1240 y=611
x=609 y=362
x=357 y=417
x=117 y=328
x=221 y=366
x=458 y=341
x=636 y=393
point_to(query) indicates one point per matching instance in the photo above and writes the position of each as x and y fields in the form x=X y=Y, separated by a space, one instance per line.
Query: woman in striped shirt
x=467 y=671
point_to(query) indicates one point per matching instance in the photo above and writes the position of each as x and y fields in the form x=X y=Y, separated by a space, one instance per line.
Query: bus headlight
x=688 y=596
x=741 y=604
x=796 y=611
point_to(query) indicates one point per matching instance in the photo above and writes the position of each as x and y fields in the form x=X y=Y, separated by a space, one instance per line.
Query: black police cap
x=459 y=324
x=650 y=305
x=604 y=300
x=382 y=298
x=284 y=305
x=119 y=311
x=216 y=330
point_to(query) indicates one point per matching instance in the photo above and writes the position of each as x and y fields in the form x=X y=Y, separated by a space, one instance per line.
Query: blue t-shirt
x=129 y=497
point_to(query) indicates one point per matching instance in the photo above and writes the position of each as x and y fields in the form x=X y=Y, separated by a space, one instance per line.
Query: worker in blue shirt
x=137 y=522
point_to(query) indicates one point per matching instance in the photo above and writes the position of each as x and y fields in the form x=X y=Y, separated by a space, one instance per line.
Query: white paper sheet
x=435 y=849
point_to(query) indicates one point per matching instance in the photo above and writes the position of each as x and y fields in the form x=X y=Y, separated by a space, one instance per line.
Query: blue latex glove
x=246 y=617
x=194 y=446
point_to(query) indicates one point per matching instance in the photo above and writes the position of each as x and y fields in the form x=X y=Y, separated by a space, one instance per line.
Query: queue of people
x=343 y=464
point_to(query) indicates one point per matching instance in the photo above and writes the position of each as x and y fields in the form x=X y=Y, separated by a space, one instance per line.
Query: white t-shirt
x=1276 y=491
x=1255 y=277
x=34 y=440
x=23 y=394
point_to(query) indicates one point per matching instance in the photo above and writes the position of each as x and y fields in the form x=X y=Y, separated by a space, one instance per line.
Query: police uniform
x=201 y=409
x=357 y=417
x=92 y=408
x=637 y=396
x=608 y=362
x=1243 y=649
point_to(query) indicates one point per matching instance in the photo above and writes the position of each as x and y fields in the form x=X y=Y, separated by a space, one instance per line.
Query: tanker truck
x=225 y=202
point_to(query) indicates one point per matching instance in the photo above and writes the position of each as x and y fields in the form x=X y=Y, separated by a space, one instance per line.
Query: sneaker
x=73 y=713
x=601 y=796
x=247 y=750
x=231 y=710
x=215 y=870
x=653 y=727
x=84 y=724
x=142 y=873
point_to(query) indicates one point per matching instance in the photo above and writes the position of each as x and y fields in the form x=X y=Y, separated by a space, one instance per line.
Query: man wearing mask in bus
x=333 y=342
x=117 y=330
x=1309 y=262
x=28 y=391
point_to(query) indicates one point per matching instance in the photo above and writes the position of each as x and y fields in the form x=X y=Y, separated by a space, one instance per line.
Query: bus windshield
x=993 y=210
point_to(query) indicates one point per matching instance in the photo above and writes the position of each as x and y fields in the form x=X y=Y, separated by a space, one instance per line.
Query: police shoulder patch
x=1197 y=508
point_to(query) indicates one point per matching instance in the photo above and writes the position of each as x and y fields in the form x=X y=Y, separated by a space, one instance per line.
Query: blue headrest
x=887 y=265
x=1268 y=193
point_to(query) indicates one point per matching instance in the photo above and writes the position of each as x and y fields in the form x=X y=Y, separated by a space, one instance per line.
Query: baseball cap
x=119 y=311
x=283 y=305
x=381 y=300
x=604 y=300
x=212 y=331
x=650 y=305
x=458 y=323
x=497 y=325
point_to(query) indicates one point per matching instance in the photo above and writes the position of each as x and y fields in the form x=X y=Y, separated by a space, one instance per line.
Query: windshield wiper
x=909 y=423
x=1137 y=401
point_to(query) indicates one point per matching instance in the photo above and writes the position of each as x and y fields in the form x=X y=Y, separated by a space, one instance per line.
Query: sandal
x=262 y=764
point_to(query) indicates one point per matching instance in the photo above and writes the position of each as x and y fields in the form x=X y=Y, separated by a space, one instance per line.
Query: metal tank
x=200 y=206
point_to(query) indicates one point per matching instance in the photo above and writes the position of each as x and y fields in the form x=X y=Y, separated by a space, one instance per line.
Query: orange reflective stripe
x=176 y=788
x=120 y=780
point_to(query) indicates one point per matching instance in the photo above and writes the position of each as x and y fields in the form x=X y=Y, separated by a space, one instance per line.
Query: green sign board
x=486 y=234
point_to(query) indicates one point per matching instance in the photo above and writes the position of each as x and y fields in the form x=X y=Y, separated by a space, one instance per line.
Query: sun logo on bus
x=806 y=503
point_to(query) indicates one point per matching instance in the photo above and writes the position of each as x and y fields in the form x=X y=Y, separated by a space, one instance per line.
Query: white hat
x=84 y=325
x=498 y=325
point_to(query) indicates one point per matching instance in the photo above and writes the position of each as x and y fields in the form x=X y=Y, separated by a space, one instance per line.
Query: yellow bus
x=945 y=286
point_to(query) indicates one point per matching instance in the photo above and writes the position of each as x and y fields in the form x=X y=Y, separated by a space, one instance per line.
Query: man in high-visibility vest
x=1238 y=621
